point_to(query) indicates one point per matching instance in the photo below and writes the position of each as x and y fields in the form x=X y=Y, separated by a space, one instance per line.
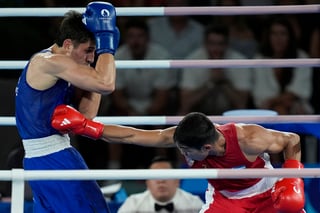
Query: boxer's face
x=81 y=53
x=84 y=53
x=192 y=153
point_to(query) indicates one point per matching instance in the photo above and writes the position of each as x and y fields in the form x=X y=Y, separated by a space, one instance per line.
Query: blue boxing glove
x=100 y=19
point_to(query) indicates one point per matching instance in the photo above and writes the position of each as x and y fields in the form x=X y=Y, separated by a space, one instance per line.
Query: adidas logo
x=65 y=122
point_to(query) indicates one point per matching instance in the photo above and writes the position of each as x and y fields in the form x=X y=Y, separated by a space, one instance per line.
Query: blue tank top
x=34 y=107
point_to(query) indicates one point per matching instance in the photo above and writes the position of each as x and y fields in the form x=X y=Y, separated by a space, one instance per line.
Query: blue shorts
x=64 y=196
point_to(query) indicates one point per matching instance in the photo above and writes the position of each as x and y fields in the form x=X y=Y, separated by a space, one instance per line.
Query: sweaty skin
x=73 y=65
x=130 y=135
x=253 y=140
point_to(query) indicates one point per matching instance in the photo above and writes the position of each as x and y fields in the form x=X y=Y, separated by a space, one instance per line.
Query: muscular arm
x=87 y=103
x=45 y=69
x=287 y=193
x=255 y=139
x=90 y=100
x=130 y=135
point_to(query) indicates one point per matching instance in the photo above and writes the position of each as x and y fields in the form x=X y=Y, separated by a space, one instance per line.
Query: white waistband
x=262 y=186
x=44 y=146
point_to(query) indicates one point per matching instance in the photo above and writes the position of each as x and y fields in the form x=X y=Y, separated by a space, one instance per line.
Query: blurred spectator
x=180 y=35
x=241 y=36
x=139 y=91
x=314 y=48
x=296 y=20
x=162 y=195
x=285 y=90
x=213 y=91
x=314 y=51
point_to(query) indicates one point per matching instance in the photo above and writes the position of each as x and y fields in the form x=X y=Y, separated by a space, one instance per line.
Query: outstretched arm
x=130 y=135
x=68 y=119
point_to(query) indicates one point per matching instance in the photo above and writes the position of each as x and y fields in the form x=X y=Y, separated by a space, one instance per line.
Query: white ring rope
x=18 y=176
x=221 y=63
x=167 y=11
x=144 y=174
x=172 y=120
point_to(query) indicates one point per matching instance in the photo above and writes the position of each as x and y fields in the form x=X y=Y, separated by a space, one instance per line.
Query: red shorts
x=255 y=204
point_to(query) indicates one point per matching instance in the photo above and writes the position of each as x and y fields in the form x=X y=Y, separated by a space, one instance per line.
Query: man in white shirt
x=162 y=195
x=141 y=91
x=213 y=91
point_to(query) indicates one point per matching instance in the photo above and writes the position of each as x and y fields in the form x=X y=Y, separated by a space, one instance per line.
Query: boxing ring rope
x=144 y=174
x=167 y=11
x=19 y=176
x=172 y=120
x=171 y=64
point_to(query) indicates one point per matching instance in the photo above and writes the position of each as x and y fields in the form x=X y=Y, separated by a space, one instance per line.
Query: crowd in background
x=179 y=91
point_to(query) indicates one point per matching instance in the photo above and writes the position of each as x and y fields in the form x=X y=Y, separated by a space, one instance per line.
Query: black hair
x=161 y=158
x=290 y=52
x=137 y=23
x=217 y=29
x=72 y=28
x=195 y=130
x=266 y=47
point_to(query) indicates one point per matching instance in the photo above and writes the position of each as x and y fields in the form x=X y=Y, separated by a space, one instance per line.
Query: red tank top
x=233 y=158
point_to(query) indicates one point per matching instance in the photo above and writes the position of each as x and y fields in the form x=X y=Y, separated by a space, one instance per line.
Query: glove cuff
x=107 y=42
x=93 y=129
x=291 y=163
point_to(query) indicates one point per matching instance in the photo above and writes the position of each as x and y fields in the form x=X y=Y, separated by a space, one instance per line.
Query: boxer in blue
x=61 y=74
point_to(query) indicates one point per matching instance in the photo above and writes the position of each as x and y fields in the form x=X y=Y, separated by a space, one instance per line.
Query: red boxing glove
x=67 y=119
x=288 y=193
